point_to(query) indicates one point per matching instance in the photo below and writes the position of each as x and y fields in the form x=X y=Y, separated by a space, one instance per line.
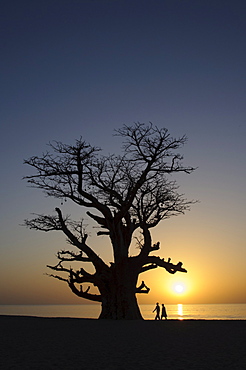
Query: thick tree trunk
x=119 y=294
x=116 y=308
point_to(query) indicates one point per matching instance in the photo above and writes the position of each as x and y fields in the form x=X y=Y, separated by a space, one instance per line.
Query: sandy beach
x=86 y=344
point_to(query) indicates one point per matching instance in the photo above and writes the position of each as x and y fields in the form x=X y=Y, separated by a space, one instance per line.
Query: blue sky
x=72 y=68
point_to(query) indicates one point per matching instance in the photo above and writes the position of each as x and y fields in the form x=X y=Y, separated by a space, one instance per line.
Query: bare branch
x=143 y=288
x=66 y=255
x=84 y=294
x=57 y=277
x=94 y=258
x=43 y=223
x=153 y=262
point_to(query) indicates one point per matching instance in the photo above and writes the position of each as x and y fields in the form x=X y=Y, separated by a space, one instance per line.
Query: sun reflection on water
x=180 y=311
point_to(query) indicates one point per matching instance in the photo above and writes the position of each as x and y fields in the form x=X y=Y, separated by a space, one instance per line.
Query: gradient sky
x=77 y=67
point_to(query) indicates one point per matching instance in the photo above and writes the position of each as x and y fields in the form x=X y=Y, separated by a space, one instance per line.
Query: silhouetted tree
x=127 y=192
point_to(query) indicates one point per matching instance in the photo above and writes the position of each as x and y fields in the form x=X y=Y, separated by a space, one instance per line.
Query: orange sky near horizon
x=209 y=278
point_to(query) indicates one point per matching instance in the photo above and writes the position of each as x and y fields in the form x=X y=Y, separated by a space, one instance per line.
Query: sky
x=72 y=68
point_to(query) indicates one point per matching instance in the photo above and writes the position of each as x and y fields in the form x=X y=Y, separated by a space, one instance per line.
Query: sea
x=92 y=311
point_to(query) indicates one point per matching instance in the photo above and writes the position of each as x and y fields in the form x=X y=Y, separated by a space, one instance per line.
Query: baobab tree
x=123 y=194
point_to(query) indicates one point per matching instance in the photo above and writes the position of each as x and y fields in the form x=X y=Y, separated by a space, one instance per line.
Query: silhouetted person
x=163 y=312
x=157 y=309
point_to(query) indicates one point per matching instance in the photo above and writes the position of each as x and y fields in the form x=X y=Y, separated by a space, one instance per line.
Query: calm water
x=180 y=311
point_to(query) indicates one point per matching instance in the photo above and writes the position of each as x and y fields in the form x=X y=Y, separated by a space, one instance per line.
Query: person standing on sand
x=157 y=309
x=163 y=312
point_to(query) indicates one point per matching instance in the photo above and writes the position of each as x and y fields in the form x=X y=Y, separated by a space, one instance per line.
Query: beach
x=88 y=344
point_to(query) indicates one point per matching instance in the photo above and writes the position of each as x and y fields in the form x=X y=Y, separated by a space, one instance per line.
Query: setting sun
x=179 y=288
